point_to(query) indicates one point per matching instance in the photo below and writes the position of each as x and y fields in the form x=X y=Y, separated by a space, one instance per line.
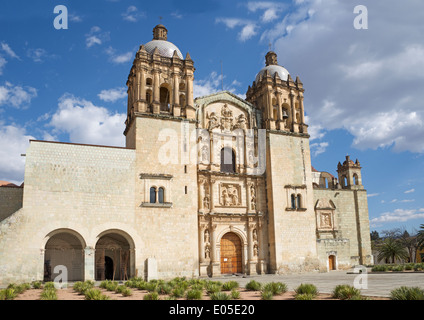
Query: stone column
x=89 y=263
x=156 y=92
x=202 y=242
x=212 y=195
x=142 y=91
x=293 y=110
x=176 y=109
x=216 y=270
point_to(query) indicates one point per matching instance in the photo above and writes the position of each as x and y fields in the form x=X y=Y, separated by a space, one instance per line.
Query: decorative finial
x=270 y=46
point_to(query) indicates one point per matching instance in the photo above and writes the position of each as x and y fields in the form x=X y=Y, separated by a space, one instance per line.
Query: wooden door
x=332 y=262
x=231 y=254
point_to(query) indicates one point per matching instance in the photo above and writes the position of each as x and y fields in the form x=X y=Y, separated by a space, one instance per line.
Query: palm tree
x=420 y=237
x=391 y=249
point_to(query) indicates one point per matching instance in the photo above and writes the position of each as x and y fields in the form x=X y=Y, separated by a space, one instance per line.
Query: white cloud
x=8 y=50
x=13 y=141
x=132 y=14
x=213 y=84
x=373 y=195
x=398 y=215
x=248 y=27
x=318 y=148
x=86 y=123
x=176 y=15
x=410 y=191
x=39 y=55
x=113 y=95
x=75 y=18
x=96 y=37
x=16 y=96
x=352 y=78
x=271 y=9
x=119 y=58
x=2 y=64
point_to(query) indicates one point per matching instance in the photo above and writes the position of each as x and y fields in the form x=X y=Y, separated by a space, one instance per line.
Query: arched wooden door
x=231 y=254
x=332 y=262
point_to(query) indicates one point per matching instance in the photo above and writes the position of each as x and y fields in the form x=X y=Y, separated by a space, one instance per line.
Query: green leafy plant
x=235 y=294
x=220 y=296
x=213 y=287
x=49 y=294
x=346 y=292
x=95 y=294
x=276 y=287
x=151 y=296
x=230 y=285
x=194 y=294
x=304 y=296
x=306 y=288
x=267 y=295
x=37 y=285
x=178 y=292
x=407 y=293
x=253 y=286
x=8 y=294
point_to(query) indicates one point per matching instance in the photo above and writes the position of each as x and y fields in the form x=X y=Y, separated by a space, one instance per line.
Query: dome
x=166 y=48
x=272 y=69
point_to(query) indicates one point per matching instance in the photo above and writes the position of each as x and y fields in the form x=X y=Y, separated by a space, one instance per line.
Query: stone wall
x=10 y=201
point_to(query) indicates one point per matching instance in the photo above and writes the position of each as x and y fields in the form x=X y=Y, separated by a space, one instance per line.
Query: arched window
x=149 y=81
x=355 y=179
x=164 y=99
x=344 y=181
x=152 y=195
x=299 y=201
x=161 y=195
x=293 y=201
x=228 y=160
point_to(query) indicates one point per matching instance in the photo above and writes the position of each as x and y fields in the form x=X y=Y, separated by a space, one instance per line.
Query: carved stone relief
x=230 y=195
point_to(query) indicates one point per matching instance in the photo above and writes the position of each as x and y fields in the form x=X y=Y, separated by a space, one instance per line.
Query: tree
x=410 y=244
x=392 y=249
x=374 y=235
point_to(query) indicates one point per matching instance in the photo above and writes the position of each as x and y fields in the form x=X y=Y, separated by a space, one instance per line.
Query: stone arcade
x=246 y=200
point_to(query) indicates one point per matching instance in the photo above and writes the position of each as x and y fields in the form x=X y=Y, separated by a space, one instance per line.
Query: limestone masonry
x=204 y=187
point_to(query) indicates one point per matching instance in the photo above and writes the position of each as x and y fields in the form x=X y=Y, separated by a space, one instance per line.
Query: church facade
x=205 y=186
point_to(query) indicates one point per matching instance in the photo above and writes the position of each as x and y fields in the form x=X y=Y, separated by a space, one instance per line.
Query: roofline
x=81 y=144
x=231 y=94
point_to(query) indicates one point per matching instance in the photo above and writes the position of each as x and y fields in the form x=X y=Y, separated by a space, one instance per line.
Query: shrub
x=126 y=292
x=164 y=288
x=178 y=292
x=213 y=288
x=276 y=287
x=80 y=287
x=307 y=288
x=220 y=296
x=398 y=268
x=253 y=286
x=151 y=286
x=235 y=294
x=49 y=294
x=194 y=294
x=120 y=288
x=112 y=286
x=8 y=294
x=379 y=268
x=197 y=286
x=37 y=284
x=230 y=285
x=95 y=294
x=346 y=292
x=151 y=296
x=409 y=266
x=304 y=296
x=267 y=295
x=49 y=285
x=407 y=293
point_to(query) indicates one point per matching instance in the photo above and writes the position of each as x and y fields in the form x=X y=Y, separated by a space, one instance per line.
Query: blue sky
x=363 y=93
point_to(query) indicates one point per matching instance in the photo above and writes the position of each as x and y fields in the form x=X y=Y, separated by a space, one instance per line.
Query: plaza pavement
x=379 y=284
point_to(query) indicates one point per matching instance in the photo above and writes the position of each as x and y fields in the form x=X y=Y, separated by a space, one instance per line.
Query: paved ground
x=379 y=284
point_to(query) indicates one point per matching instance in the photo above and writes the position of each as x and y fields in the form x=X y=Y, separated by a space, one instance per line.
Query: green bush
x=95 y=294
x=164 y=288
x=346 y=292
x=194 y=294
x=49 y=285
x=379 y=268
x=213 y=288
x=253 y=286
x=267 y=295
x=230 y=285
x=126 y=292
x=220 y=296
x=275 y=287
x=37 y=285
x=306 y=288
x=151 y=286
x=399 y=267
x=304 y=296
x=49 y=294
x=178 y=292
x=112 y=285
x=235 y=294
x=8 y=294
x=79 y=286
x=407 y=293
x=151 y=296
x=120 y=288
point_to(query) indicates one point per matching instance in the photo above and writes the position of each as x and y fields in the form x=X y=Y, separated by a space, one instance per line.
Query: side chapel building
x=204 y=187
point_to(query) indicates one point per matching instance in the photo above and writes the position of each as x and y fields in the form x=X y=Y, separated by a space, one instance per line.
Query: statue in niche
x=255 y=250
x=234 y=197
x=206 y=202
x=255 y=235
x=207 y=237
x=207 y=252
x=226 y=198
x=325 y=220
x=252 y=197
x=213 y=121
x=205 y=154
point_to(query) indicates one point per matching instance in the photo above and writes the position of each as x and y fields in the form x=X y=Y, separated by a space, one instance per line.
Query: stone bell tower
x=160 y=81
x=350 y=174
x=279 y=97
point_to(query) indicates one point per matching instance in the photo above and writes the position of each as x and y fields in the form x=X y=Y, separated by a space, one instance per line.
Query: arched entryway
x=231 y=254
x=113 y=256
x=331 y=262
x=64 y=248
